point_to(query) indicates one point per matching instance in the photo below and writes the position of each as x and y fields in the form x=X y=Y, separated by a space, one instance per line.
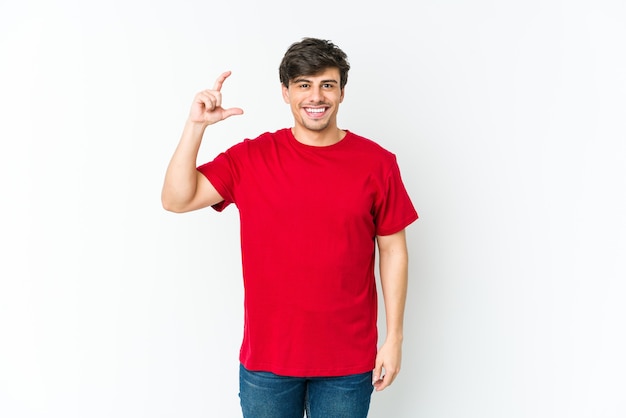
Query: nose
x=317 y=94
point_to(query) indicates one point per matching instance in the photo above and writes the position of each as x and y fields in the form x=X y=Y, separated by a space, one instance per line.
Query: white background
x=509 y=123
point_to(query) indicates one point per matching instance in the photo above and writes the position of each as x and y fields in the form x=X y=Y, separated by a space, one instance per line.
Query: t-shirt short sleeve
x=394 y=210
x=222 y=174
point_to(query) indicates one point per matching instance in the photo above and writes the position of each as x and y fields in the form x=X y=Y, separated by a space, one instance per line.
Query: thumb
x=378 y=371
x=232 y=112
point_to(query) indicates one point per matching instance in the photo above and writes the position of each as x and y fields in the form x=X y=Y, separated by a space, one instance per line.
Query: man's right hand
x=185 y=188
x=207 y=105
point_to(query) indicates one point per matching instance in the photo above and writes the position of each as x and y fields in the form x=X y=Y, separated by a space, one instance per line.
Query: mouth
x=315 y=112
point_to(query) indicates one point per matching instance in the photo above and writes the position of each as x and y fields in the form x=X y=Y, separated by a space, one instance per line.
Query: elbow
x=174 y=209
x=167 y=206
x=170 y=208
x=170 y=205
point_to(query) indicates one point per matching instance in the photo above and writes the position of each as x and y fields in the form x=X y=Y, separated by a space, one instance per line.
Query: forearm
x=180 y=183
x=394 y=279
x=394 y=283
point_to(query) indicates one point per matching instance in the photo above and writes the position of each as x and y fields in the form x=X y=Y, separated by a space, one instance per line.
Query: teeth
x=315 y=110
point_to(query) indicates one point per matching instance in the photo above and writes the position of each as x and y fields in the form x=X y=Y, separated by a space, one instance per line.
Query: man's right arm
x=185 y=188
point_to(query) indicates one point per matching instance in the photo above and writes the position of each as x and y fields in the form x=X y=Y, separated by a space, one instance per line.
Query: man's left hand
x=388 y=359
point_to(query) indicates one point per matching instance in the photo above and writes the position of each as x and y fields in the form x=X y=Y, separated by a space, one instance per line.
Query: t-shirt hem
x=399 y=227
x=217 y=183
x=307 y=372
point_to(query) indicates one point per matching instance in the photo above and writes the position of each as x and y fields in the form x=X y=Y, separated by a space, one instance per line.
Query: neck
x=318 y=138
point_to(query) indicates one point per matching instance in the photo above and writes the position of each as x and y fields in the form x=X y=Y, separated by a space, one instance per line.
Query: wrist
x=195 y=129
x=196 y=125
x=394 y=337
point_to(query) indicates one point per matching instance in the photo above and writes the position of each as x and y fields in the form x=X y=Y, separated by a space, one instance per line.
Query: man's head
x=312 y=56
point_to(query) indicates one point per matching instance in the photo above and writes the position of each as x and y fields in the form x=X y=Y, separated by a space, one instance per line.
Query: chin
x=320 y=126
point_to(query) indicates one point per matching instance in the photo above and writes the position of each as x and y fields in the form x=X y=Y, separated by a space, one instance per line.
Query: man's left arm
x=394 y=280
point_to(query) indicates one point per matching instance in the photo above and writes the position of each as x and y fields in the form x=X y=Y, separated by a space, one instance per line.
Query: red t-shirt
x=309 y=217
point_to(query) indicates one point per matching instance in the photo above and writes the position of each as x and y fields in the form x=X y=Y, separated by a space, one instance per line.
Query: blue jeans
x=266 y=395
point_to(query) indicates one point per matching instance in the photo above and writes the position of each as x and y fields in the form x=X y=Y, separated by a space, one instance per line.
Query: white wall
x=508 y=122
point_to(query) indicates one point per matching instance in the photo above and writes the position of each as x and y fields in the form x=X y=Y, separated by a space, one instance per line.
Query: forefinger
x=220 y=80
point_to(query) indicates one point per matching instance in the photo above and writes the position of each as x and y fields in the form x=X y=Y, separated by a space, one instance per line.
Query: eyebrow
x=304 y=80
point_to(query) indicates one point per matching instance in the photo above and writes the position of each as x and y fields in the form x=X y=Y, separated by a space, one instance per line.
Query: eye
x=303 y=85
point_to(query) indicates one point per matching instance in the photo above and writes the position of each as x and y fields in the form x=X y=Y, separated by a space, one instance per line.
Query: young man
x=314 y=200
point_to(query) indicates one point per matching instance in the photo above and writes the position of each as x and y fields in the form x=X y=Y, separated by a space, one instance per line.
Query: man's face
x=314 y=99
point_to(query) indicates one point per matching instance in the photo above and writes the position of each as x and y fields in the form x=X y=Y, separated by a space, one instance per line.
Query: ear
x=285 y=93
x=341 y=97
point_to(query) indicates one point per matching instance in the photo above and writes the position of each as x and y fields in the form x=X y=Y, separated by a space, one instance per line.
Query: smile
x=315 y=112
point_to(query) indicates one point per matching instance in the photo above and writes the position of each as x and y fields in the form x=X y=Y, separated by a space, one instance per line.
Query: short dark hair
x=311 y=56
